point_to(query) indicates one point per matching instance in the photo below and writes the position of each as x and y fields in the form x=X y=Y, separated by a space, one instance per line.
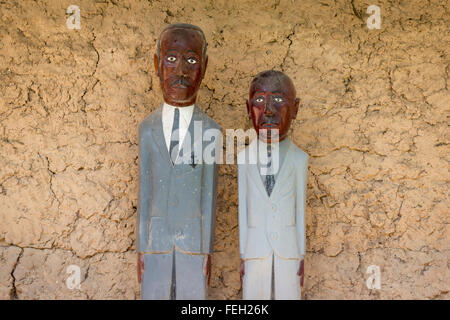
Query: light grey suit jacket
x=276 y=223
x=177 y=203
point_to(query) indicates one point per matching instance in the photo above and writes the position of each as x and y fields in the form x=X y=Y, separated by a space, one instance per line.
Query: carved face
x=272 y=104
x=181 y=65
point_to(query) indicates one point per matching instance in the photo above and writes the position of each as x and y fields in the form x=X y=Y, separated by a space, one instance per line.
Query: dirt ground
x=374 y=120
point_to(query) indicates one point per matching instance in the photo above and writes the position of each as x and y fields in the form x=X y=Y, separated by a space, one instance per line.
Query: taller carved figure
x=177 y=190
x=272 y=194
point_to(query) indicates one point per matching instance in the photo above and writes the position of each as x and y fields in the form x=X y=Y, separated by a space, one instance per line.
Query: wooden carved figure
x=272 y=194
x=177 y=191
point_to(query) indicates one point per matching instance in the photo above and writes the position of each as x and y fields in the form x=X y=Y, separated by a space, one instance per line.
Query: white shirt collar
x=167 y=121
x=187 y=109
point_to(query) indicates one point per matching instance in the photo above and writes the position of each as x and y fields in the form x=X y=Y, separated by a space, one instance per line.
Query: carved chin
x=180 y=98
x=265 y=133
x=178 y=94
x=267 y=127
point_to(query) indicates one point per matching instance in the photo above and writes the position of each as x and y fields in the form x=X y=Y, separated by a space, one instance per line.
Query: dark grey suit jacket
x=177 y=203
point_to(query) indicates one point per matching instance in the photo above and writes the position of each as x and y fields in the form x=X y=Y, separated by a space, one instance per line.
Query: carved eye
x=259 y=99
x=171 y=59
x=278 y=99
x=191 y=60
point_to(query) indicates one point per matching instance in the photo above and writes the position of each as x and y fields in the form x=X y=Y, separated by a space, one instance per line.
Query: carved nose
x=182 y=70
x=268 y=110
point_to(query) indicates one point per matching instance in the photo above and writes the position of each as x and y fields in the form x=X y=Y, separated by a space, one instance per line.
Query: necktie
x=175 y=137
x=270 y=178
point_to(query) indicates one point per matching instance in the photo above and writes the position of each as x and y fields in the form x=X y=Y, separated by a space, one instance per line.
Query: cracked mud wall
x=374 y=120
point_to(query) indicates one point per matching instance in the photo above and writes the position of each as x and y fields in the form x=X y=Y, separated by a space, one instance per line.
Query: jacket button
x=274 y=236
x=178 y=234
x=274 y=207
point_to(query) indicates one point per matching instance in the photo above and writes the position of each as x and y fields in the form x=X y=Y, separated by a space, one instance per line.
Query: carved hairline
x=182 y=26
x=279 y=75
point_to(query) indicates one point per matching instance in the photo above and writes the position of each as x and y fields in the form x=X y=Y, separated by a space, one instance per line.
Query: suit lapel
x=192 y=139
x=158 y=134
x=188 y=144
x=284 y=170
x=253 y=168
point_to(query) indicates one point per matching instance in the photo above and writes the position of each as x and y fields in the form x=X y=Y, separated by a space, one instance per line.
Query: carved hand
x=300 y=272
x=140 y=266
x=207 y=268
x=242 y=271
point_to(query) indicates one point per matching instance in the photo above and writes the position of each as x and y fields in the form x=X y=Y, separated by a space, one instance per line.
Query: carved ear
x=156 y=63
x=248 y=109
x=204 y=66
x=296 y=106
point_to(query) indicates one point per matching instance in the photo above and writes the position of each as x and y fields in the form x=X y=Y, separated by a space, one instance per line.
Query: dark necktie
x=175 y=137
x=270 y=178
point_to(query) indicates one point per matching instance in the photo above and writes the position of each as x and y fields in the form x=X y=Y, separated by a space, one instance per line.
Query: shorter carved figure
x=272 y=194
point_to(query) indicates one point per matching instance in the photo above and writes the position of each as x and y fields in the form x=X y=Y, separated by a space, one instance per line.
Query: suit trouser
x=164 y=280
x=257 y=281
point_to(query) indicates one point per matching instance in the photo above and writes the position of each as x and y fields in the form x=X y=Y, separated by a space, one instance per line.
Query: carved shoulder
x=299 y=153
x=209 y=123
x=146 y=125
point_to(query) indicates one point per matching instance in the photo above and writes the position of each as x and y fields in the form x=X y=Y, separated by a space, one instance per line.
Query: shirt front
x=168 y=112
x=277 y=159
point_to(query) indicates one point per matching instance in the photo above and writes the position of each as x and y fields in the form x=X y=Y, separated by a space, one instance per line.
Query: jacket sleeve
x=209 y=201
x=145 y=193
x=300 y=203
x=242 y=189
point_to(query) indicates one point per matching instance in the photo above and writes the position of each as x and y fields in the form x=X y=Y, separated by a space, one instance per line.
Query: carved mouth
x=269 y=125
x=180 y=84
